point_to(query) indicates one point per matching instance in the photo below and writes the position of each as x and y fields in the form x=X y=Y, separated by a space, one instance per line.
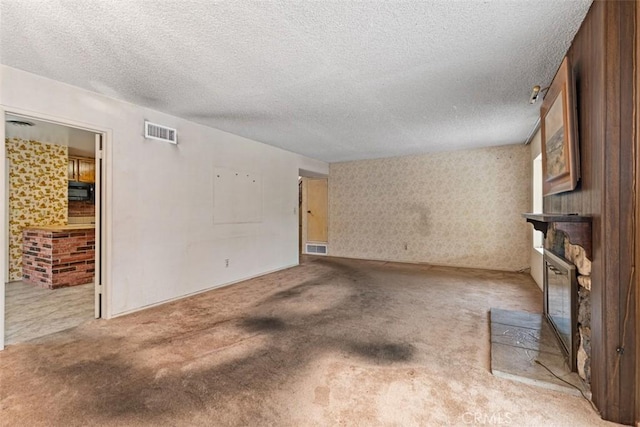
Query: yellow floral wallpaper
x=37 y=192
x=459 y=208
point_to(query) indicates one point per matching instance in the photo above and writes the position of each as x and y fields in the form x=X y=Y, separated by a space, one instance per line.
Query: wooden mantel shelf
x=553 y=217
x=576 y=227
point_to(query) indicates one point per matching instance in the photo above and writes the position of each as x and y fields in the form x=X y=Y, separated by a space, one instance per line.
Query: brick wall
x=77 y=208
x=57 y=259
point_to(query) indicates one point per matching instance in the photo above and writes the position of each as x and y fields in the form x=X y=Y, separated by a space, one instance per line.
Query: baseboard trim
x=427 y=264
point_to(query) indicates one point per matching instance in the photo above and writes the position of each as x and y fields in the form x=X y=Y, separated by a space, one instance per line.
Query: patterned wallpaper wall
x=37 y=192
x=460 y=208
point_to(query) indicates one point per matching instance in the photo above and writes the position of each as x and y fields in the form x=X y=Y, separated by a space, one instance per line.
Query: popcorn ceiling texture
x=334 y=81
x=37 y=192
x=460 y=208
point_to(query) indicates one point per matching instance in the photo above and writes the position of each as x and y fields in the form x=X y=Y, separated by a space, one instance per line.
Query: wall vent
x=317 y=249
x=159 y=132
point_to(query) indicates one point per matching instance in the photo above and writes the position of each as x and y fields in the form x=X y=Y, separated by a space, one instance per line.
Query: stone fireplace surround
x=569 y=237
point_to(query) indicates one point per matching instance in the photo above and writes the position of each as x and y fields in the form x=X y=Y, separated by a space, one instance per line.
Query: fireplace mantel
x=576 y=227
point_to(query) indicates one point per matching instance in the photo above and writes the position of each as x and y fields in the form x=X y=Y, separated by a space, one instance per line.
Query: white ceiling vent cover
x=159 y=132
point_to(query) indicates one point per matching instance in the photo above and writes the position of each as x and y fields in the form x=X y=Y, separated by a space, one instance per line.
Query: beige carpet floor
x=331 y=342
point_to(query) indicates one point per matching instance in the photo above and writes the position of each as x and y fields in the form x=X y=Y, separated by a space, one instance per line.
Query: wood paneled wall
x=637 y=211
x=602 y=55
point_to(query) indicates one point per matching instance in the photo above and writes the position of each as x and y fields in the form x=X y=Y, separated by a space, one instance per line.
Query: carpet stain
x=289 y=293
x=382 y=352
x=241 y=355
x=261 y=324
x=293 y=341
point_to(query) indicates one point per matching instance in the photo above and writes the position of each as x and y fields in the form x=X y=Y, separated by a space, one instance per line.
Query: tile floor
x=33 y=312
x=520 y=343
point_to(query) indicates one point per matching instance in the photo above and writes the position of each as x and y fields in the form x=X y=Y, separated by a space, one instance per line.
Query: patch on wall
x=237 y=196
x=37 y=192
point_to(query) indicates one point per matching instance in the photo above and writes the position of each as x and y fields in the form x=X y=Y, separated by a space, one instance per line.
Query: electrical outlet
x=226 y=262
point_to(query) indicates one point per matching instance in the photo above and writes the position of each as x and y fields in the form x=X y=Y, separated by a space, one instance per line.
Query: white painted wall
x=163 y=240
x=537 y=263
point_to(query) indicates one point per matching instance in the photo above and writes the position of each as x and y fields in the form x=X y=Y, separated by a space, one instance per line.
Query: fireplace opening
x=560 y=295
x=567 y=284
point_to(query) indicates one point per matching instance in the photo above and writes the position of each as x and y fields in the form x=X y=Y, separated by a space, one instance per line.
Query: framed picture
x=560 y=154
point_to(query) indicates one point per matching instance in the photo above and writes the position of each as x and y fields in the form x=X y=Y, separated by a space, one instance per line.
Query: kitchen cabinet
x=81 y=169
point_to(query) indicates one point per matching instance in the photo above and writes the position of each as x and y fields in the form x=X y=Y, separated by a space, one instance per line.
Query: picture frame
x=559 y=131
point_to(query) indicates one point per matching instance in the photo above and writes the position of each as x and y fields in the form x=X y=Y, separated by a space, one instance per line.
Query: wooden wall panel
x=625 y=299
x=637 y=209
x=602 y=58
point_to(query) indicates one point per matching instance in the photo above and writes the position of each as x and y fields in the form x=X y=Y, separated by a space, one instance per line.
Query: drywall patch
x=237 y=196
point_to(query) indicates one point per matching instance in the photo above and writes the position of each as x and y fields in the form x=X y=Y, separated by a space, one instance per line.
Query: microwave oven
x=81 y=191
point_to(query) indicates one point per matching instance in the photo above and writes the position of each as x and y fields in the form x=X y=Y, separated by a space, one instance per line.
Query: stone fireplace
x=568 y=237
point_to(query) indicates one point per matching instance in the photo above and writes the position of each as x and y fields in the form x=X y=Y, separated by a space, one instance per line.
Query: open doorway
x=53 y=191
x=313 y=218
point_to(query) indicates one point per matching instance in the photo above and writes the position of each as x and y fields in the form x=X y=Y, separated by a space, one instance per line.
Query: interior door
x=317 y=202
x=98 y=190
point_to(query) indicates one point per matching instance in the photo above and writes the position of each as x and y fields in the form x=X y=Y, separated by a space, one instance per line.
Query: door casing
x=105 y=197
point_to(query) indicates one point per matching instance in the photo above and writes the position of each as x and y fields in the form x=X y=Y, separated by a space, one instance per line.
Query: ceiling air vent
x=161 y=133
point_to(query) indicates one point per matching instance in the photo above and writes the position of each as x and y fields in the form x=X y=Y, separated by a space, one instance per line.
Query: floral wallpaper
x=458 y=208
x=37 y=192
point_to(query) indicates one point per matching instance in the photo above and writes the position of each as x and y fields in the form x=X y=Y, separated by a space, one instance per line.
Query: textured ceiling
x=335 y=80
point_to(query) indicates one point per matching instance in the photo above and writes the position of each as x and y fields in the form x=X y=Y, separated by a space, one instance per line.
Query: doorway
x=313 y=218
x=53 y=227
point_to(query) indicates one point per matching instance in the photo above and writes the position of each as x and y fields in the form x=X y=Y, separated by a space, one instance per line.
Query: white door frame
x=306 y=175
x=105 y=203
x=3 y=224
x=97 y=194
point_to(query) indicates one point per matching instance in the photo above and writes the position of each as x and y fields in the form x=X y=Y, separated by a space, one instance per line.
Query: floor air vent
x=313 y=248
x=161 y=133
